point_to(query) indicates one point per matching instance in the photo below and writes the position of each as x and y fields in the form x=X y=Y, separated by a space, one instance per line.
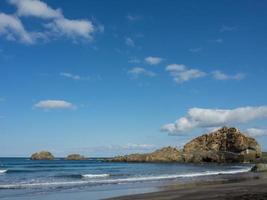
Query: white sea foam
x=95 y=175
x=2 y=171
x=121 y=180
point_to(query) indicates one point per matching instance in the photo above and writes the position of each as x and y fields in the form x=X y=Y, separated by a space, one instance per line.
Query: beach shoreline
x=236 y=187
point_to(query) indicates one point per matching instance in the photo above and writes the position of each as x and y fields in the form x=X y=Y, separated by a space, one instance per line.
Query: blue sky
x=105 y=77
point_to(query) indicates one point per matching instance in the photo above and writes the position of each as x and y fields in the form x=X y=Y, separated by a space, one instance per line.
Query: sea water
x=21 y=178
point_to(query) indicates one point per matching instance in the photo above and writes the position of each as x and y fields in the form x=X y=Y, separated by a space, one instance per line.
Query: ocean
x=21 y=178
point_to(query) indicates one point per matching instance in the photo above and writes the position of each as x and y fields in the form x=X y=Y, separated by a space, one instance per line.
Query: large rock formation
x=75 y=157
x=259 y=167
x=223 y=145
x=42 y=155
x=166 y=154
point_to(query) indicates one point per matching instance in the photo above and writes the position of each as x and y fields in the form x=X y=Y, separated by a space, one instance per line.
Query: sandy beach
x=235 y=188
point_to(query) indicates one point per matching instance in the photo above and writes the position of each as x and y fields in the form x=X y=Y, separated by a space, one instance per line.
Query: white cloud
x=35 y=8
x=71 y=76
x=133 y=17
x=129 y=41
x=256 y=132
x=133 y=60
x=153 y=60
x=131 y=146
x=54 y=104
x=181 y=73
x=55 y=24
x=218 y=40
x=195 y=50
x=80 y=78
x=175 y=67
x=12 y=28
x=222 y=76
x=75 y=29
x=227 y=28
x=204 y=118
x=137 y=71
x=113 y=149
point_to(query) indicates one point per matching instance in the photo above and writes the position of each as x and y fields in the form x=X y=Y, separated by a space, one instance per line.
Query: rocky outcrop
x=222 y=146
x=263 y=157
x=225 y=145
x=260 y=167
x=166 y=154
x=42 y=155
x=75 y=157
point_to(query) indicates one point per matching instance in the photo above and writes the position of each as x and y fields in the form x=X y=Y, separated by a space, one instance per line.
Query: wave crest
x=94 y=179
x=95 y=175
x=2 y=171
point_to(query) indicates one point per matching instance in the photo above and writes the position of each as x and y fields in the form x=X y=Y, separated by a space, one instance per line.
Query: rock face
x=263 y=157
x=260 y=167
x=166 y=154
x=42 y=155
x=223 y=145
x=75 y=157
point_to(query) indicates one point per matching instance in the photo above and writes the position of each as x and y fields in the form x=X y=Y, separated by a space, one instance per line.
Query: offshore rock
x=75 y=157
x=42 y=155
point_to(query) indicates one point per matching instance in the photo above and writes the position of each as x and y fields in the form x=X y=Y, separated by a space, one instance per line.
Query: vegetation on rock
x=166 y=154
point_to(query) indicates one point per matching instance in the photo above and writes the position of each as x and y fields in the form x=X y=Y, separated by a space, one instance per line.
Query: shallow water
x=21 y=178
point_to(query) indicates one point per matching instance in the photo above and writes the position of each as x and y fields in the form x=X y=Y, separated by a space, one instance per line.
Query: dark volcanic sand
x=235 y=189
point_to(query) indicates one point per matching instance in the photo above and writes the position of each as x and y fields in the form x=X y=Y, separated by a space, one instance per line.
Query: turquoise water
x=21 y=178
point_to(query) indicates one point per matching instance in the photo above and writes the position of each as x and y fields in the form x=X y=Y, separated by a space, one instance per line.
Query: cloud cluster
x=195 y=50
x=35 y=8
x=218 y=40
x=133 y=17
x=227 y=28
x=137 y=71
x=54 y=105
x=116 y=149
x=129 y=42
x=55 y=24
x=222 y=76
x=205 y=118
x=181 y=73
x=133 y=60
x=131 y=146
x=12 y=28
x=153 y=60
x=256 y=132
x=71 y=76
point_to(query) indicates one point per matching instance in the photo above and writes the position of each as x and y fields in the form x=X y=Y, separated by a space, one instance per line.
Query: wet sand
x=235 y=188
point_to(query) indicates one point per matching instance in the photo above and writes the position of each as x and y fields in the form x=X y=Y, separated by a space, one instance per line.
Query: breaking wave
x=103 y=179
x=95 y=175
x=2 y=171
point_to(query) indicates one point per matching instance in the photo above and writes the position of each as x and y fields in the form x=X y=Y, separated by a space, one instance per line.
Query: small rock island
x=226 y=145
x=75 y=157
x=42 y=155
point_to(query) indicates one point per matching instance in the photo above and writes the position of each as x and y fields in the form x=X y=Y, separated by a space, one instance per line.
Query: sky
x=104 y=78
